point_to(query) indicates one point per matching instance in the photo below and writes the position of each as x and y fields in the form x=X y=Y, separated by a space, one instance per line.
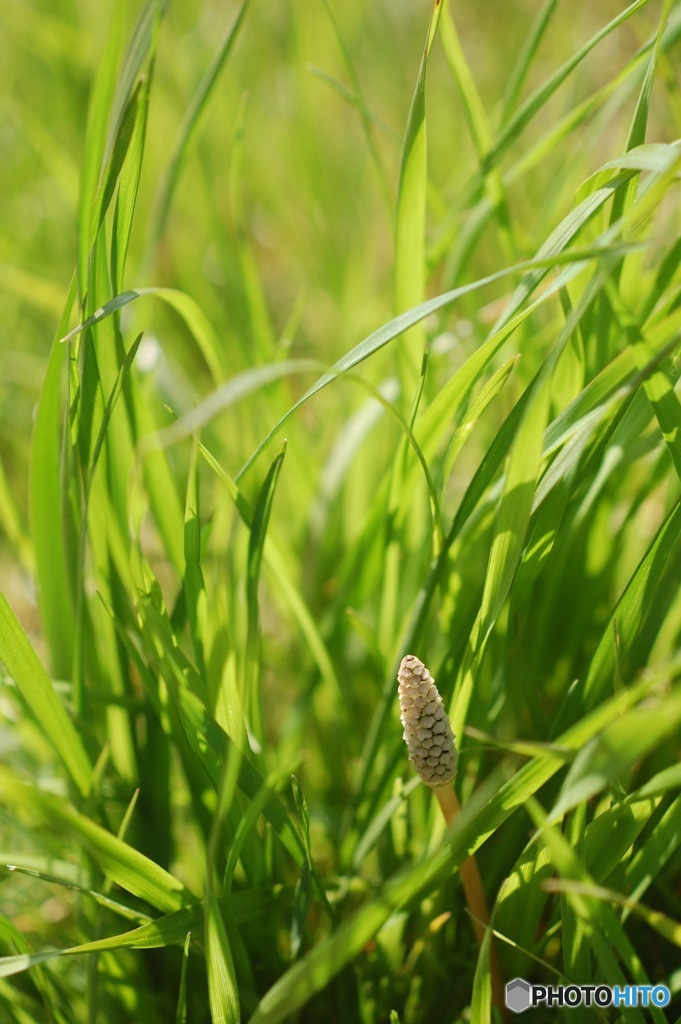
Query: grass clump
x=458 y=290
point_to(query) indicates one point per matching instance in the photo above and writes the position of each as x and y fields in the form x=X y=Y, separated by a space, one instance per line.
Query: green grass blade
x=488 y=393
x=125 y=865
x=191 y=122
x=661 y=844
x=357 y=99
x=223 y=993
x=53 y=548
x=121 y=863
x=410 y=223
x=631 y=608
x=193 y=582
x=478 y=126
x=608 y=759
x=256 y=543
x=330 y=955
x=163 y=931
x=38 y=692
x=513 y=515
x=260 y=322
x=211 y=744
x=181 y=1012
x=95 y=143
x=385 y=334
x=525 y=58
x=659 y=922
x=539 y=98
x=481 y=999
x=280 y=576
x=128 y=186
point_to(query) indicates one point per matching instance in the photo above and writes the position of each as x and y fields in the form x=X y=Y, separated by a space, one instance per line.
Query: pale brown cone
x=427 y=731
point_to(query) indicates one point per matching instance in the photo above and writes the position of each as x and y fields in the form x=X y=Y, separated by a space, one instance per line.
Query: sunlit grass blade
x=11 y=522
x=609 y=943
x=480 y=131
x=54 y=551
x=329 y=956
x=525 y=58
x=163 y=931
x=280 y=577
x=631 y=609
x=607 y=760
x=515 y=507
x=123 y=864
x=191 y=122
x=128 y=186
x=664 y=925
x=536 y=101
x=95 y=143
x=222 y=988
x=481 y=998
x=385 y=334
x=356 y=97
x=410 y=223
x=193 y=583
x=654 y=853
x=211 y=745
x=37 y=690
x=259 y=524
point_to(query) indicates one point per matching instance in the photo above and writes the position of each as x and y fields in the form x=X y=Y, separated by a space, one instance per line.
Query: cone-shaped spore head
x=427 y=731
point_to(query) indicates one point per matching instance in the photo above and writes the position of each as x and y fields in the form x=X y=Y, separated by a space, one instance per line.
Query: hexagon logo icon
x=518 y=995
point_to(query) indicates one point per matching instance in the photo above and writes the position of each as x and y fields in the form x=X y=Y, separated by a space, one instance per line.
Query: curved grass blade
x=160 y=932
x=630 y=611
x=470 y=830
x=481 y=999
x=661 y=923
x=192 y=314
x=661 y=844
x=357 y=99
x=410 y=219
x=163 y=931
x=490 y=390
x=67 y=881
x=38 y=692
x=120 y=862
x=212 y=744
x=540 y=97
x=191 y=121
x=608 y=758
x=390 y=330
x=480 y=132
x=280 y=576
x=129 y=183
x=609 y=942
x=526 y=56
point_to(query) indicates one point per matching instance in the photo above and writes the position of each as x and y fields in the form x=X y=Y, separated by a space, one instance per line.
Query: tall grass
x=339 y=373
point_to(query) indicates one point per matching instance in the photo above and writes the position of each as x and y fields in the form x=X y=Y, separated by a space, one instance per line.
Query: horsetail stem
x=432 y=750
